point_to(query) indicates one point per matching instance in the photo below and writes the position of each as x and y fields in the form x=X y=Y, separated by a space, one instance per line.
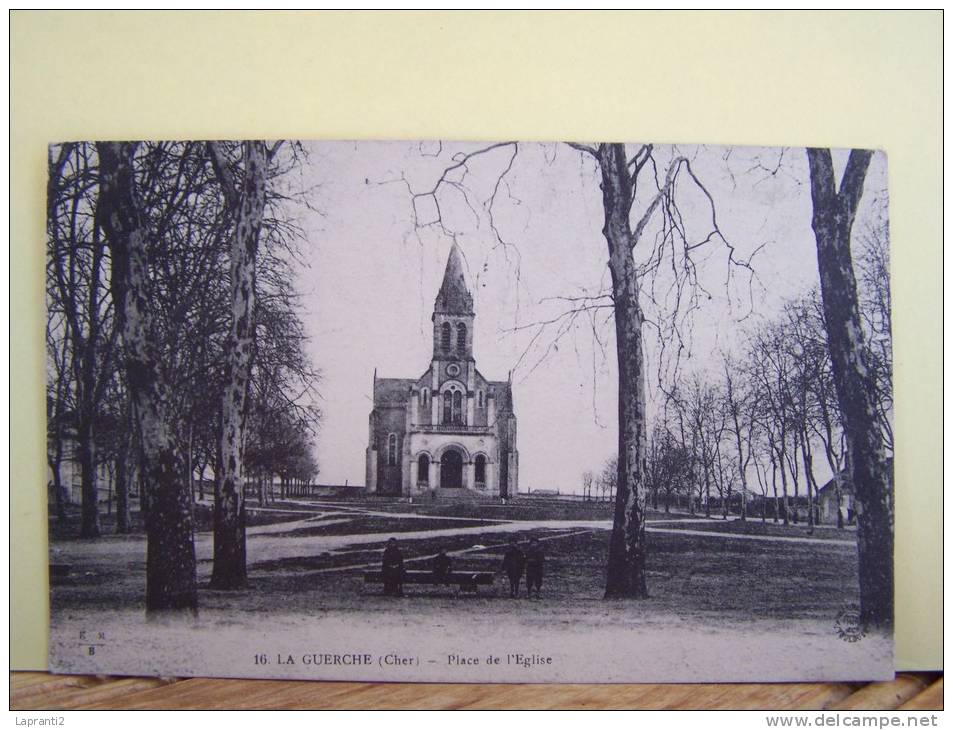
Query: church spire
x=454 y=297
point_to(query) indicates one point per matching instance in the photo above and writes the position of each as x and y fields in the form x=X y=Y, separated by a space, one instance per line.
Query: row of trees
x=175 y=347
x=834 y=208
x=601 y=487
x=760 y=423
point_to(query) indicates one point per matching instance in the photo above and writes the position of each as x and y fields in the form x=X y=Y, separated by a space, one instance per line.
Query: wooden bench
x=467 y=580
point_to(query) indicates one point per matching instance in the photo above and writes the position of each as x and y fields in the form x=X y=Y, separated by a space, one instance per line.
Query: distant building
x=450 y=428
x=827 y=500
x=71 y=475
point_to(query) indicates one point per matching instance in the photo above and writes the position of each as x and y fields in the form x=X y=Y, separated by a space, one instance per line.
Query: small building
x=827 y=500
x=450 y=428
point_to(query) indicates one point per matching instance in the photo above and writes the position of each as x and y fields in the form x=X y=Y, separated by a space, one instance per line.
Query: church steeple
x=454 y=296
x=453 y=313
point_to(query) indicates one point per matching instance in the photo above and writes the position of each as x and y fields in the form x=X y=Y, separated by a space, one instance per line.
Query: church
x=450 y=431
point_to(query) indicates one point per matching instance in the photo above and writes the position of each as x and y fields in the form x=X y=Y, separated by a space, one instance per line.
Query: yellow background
x=870 y=79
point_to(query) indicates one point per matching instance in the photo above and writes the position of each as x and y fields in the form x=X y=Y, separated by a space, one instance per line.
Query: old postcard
x=469 y=412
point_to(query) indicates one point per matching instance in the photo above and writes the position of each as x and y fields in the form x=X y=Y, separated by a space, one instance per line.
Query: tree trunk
x=123 y=521
x=626 y=565
x=785 y=500
x=791 y=461
x=86 y=451
x=774 y=486
x=170 y=551
x=856 y=391
x=839 y=499
x=707 y=492
x=55 y=460
x=742 y=464
x=247 y=208
x=807 y=458
x=58 y=494
x=110 y=483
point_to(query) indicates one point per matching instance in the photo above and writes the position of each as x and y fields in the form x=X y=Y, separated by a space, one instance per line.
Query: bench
x=467 y=580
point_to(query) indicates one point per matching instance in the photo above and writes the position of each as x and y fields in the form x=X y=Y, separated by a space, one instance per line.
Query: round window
x=453 y=370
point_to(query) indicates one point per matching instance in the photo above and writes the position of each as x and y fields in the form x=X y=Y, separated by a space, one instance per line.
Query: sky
x=373 y=259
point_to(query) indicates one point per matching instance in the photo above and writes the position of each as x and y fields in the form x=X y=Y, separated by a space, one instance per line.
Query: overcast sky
x=374 y=272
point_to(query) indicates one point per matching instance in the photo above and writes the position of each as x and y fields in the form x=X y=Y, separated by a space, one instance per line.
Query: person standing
x=534 y=567
x=392 y=569
x=513 y=562
x=441 y=567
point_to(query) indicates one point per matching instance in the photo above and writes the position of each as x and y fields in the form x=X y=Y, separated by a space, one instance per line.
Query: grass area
x=69 y=529
x=768 y=529
x=689 y=576
x=520 y=510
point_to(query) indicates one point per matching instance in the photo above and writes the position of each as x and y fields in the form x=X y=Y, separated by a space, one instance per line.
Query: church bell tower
x=453 y=314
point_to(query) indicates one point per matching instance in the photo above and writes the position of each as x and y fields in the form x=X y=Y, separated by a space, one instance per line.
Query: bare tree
x=826 y=422
x=608 y=479
x=707 y=423
x=246 y=205
x=762 y=476
x=667 y=462
x=834 y=209
x=740 y=410
x=170 y=553
x=79 y=306
x=688 y=443
x=770 y=369
x=587 y=479
x=59 y=405
x=809 y=358
x=116 y=447
x=873 y=266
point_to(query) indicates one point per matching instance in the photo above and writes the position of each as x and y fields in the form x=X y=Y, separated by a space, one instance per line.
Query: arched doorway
x=451 y=470
x=479 y=471
x=423 y=469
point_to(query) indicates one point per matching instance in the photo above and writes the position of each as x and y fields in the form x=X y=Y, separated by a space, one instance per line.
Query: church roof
x=392 y=391
x=503 y=392
x=454 y=297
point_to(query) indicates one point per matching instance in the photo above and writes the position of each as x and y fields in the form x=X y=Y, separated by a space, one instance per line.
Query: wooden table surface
x=43 y=691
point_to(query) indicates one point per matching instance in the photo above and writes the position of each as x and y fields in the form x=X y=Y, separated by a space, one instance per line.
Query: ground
x=305 y=555
x=306 y=558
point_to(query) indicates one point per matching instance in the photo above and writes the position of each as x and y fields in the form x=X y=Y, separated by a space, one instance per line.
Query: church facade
x=451 y=428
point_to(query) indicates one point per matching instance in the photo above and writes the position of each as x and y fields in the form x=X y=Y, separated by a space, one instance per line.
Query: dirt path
x=395 y=515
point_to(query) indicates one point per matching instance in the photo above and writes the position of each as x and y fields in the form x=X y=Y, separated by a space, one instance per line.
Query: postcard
x=469 y=411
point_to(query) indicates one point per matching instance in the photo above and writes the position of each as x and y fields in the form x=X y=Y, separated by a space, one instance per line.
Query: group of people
x=516 y=562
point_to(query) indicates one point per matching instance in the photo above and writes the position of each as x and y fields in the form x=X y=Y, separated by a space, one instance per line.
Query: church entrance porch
x=451 y=470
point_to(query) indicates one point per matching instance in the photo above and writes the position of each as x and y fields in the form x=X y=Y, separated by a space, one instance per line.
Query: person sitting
x=392 y=569
x=441 y=566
